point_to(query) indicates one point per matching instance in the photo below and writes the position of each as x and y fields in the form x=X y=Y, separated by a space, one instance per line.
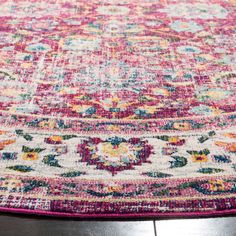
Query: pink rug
x=118 y=108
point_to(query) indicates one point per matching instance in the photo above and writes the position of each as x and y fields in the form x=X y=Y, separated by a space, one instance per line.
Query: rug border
x=119 y=216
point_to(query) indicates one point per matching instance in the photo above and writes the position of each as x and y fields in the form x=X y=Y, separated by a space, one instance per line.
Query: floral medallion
x=115 y=154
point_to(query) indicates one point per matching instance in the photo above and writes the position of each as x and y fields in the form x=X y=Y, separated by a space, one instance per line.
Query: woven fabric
x=117 y=108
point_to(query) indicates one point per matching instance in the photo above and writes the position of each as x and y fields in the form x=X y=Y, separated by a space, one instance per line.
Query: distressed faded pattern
x=117 y=108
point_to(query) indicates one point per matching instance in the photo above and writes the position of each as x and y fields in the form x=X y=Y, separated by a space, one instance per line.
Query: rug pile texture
x=118 y=108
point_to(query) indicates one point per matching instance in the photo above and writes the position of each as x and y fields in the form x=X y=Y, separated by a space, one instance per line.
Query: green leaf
x=164 y=192
x=51 y=161
x=21 y=168
x=186 y=185
x=209 y=170
x=72 y=174
x=193 y=152
x=157 y=174
x=163 y=137
x=38 y=149
x=158 y=185
x=66 y=137
x=205 y=152
x=27 y=149
x=178 y=162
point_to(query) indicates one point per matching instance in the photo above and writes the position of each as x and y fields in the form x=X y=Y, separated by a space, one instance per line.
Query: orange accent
x=230 y=147
x=3 y=144
x=230 y=135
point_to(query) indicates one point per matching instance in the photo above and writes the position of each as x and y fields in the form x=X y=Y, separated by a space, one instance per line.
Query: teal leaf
x=209 y=170
x=20 y=168
x=51 y=161
x=202 y=139
x=32 y=184
x=19 y=131
x=178 y=162
x=72 y=174
x=157 y=174
x=205 y=151
x=27 y=137
x=212 y=133
x=222 y=158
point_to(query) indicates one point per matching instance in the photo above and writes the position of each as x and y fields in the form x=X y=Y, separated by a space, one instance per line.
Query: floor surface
x=16 y=225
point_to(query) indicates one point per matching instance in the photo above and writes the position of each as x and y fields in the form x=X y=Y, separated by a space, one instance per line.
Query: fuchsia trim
x=135 y=215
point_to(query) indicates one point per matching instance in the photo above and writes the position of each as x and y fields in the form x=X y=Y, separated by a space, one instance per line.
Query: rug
x=118 y=108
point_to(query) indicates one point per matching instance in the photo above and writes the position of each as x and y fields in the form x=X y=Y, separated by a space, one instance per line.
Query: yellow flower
x=114 y=151
x=182 y=126
x=217 y=185
x=80 y=108
x=114 y=128
x=161 y=91
x=56 y=138
x=116 y=188
x=174 y=139
x=30 y=156
x=51 y=124
x=199 y=158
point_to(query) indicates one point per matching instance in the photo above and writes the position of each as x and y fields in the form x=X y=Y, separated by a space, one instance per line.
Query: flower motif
x=38 y=47
x=196 y=10
x=113 y=188
x=84 y=109
x=113 y=10
x=12 y=184
x=205 y=94
x=216 y=185
x=146 y=110
x=54 y=139
x=30 y=156
x=199 y=158
x=182 y=126
x=182 y=26
x=176 y=141
x=60 y=149
x=188 y=49
x=47 y=124
x=114 y=154
x=75 y=43
x=205 y=110
x=169 y=150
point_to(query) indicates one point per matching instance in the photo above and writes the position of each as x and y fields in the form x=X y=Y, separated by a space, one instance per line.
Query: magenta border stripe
x=135 y=215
